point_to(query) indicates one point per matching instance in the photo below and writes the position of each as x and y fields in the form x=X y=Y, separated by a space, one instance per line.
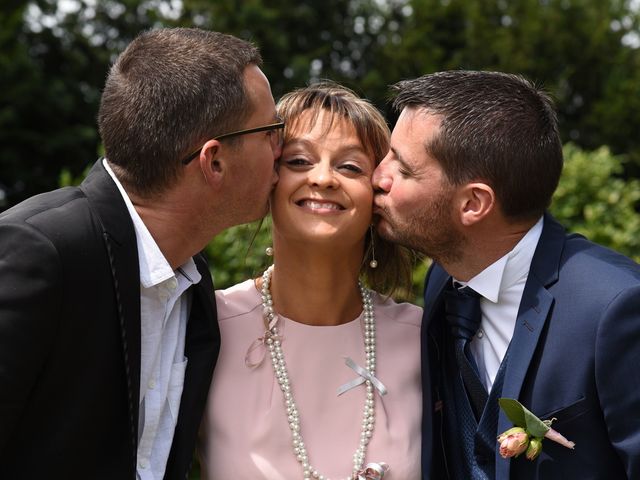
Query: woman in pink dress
x=318 y=376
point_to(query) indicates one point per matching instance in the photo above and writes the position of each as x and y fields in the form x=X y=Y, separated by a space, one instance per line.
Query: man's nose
x=381 y=180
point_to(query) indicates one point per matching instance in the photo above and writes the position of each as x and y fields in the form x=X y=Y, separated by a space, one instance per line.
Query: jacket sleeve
x=618 y=376
x=30 y=293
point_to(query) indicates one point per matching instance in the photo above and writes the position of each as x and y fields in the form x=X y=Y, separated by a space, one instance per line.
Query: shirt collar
x=154 y=268
x=509 y=269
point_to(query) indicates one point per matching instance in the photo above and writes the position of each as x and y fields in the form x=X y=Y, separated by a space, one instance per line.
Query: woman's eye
x=351 y=168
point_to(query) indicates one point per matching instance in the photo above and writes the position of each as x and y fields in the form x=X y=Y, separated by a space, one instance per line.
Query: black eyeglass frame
x=264 y=128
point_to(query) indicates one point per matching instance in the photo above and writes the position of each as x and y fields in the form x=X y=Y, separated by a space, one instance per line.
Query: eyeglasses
x=276 y=140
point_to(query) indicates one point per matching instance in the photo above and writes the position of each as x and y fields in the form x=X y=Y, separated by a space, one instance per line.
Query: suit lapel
x=120 y=242
x=534 y=310
x=431 y=370
x=434 y=285
x=201 y=348
x=533 y=313
x=203 y=335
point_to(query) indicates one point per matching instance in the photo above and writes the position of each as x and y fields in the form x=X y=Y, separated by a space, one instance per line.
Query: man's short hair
x=166 y=94
x=495 y=127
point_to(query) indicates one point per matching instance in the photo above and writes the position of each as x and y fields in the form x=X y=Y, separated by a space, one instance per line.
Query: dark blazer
x=574 y=356
x=70 y=339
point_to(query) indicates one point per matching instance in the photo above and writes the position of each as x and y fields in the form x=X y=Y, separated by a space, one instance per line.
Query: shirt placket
x=156 y=388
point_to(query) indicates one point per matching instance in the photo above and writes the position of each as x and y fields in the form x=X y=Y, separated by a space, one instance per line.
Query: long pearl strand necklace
x=274 y=346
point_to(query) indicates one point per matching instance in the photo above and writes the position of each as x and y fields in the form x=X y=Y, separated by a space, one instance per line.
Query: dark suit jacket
x=70 y=339
x=574 y=356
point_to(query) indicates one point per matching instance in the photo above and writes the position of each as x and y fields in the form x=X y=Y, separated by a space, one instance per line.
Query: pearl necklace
x=274 y=346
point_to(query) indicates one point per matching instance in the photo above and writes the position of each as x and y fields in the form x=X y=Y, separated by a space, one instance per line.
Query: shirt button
x=152 y=384
x=143 y=463
x=480 y=334
x=172 y=284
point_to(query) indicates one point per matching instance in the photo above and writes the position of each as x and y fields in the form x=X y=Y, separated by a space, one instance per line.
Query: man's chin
x=385 y=230
x=396 y=235
x=257 y=215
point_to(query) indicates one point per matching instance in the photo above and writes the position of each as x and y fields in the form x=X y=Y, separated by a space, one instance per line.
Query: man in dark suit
x=108 y=331
x=514 y=307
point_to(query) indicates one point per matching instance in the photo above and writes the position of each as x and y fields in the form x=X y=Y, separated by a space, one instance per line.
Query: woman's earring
x=269 y=251
x=373 y=263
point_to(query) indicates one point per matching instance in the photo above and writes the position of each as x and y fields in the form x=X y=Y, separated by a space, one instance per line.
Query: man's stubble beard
x=430 y=232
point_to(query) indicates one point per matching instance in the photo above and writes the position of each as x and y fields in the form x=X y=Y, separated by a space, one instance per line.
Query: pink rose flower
x=513 y=442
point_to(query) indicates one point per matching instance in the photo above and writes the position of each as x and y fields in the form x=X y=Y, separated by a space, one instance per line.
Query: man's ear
x=212 y=165
x=476 y=201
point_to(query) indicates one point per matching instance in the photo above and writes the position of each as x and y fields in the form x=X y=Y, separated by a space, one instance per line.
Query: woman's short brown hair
x=393 y=273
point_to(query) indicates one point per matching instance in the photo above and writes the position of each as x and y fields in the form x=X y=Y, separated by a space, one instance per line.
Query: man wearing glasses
x=108 y=332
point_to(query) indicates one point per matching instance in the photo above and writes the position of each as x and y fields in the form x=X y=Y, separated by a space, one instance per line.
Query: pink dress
x=245 y=433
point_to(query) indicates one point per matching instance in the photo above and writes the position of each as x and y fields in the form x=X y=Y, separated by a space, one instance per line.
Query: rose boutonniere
x=527 y=433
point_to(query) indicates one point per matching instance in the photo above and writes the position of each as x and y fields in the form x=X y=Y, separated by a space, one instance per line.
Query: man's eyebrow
x=400 y=159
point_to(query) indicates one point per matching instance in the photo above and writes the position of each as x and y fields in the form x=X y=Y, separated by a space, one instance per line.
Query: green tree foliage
x=49 y=89
x=304 y=41
x=593 y=200
x=585 y=52
x=239 y=253
x=54 y=56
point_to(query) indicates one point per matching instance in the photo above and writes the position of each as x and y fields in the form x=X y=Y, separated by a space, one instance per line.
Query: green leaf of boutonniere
x=528 y=432
x=520 y=416
x=514 y=411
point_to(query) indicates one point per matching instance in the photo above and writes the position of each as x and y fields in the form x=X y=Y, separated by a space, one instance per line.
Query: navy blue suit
x=574 y=356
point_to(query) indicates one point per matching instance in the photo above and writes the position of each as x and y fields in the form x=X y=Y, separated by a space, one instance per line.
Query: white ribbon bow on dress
x=363 y=376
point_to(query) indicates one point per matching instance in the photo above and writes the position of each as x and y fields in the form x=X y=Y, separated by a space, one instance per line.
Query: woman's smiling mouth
x=319 y=205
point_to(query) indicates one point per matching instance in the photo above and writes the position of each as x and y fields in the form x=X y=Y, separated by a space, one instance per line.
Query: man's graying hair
x=166 y=94
x=497 y=128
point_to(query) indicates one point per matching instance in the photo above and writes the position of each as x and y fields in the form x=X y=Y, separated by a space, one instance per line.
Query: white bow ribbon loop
x=363 y=376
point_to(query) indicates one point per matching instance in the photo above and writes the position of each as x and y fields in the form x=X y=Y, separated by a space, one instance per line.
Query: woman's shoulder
x=402 y=312
x=239 y=299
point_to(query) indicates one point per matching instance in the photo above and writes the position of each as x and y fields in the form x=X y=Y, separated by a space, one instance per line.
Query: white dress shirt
x=501 y=285
x=164 y=310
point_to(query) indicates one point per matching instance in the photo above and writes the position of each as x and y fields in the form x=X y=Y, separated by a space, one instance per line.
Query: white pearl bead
x=282 y=375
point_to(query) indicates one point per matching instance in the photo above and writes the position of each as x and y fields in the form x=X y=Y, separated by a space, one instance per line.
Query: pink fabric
x=245 y=433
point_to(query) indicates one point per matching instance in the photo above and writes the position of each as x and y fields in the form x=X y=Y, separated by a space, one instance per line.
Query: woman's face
x=324 y=192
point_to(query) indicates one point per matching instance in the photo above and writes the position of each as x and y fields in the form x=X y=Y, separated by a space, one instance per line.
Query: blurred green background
x=54 y=56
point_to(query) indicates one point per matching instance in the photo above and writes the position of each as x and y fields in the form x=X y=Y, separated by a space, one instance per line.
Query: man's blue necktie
x=462 y=309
